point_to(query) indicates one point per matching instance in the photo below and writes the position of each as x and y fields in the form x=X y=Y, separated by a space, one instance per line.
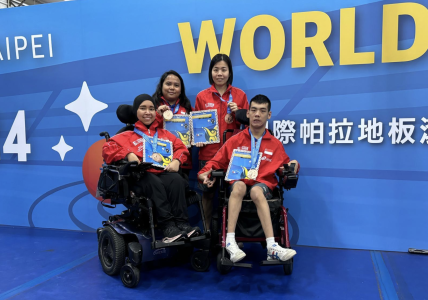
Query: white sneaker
x=236 y=254
x=276 y=252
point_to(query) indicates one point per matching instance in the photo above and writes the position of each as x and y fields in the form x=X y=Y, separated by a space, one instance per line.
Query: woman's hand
x=173 y=166
x=133 y=157
x=233 y=106
x=162 y=108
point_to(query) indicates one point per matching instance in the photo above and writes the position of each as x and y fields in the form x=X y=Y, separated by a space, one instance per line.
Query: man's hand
x=162 y=108
x=132 y=157
x=199 y=144
x=296 y=166
x=205 y=180
x=173 y=166
x=233 y=106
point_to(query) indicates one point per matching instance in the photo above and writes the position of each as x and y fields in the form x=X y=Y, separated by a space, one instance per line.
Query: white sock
x=270 y=241
x=230 y=238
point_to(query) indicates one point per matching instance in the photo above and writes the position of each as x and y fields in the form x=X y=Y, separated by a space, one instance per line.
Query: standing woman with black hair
x=226 y=99
x=170 y=95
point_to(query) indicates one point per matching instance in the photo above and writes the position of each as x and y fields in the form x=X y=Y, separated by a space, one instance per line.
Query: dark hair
x=261 y=99
x=216 y=59
x=184 y=101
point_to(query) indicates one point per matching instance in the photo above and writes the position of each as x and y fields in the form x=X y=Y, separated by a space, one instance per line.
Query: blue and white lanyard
x=230 y=100
x=174 y=107
x=154 y=142
x=255 y=147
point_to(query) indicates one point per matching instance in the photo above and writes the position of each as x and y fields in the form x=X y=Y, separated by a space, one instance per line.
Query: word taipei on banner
x=400 y=131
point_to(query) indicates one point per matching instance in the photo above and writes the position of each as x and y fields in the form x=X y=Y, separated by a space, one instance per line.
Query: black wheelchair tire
x=220 y=268
x=200 y=261
x=111 y=251
x=130 y=275
x=288 y=268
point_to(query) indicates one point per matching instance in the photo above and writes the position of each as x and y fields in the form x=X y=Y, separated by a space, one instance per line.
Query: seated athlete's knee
x=239 y=189
x=257 y=195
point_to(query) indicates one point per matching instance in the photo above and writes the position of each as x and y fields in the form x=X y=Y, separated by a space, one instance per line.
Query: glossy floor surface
x=55 y=264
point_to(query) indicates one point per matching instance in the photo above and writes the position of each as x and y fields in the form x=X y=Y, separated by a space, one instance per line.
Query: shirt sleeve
x=198 y=103
x=245 y=104
x=220 y=160
x=114 y=151
x=179 y=149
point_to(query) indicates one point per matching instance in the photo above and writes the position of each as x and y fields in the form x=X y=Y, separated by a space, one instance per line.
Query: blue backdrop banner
x=347 y=80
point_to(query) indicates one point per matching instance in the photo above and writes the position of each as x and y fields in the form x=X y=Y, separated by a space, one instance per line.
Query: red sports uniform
x=210 y=99
x=120 y=145
x=273 y=157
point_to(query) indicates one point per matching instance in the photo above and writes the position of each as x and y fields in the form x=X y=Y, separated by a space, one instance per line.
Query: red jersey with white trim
x=273 y=157
x=120 y=145
x=181 y=111
x=210 y=99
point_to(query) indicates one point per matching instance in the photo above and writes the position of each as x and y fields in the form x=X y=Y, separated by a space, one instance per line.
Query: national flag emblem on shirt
x=268 y=152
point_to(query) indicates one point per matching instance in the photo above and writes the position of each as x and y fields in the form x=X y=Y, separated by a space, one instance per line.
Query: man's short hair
x=261 y=99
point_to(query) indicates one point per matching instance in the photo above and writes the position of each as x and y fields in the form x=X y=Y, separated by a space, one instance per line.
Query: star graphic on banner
x=86 y=106
x=62 y=148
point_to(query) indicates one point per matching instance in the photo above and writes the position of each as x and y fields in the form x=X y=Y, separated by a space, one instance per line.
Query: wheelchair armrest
x=126 y=169
x=218 y=173
x=287 y=178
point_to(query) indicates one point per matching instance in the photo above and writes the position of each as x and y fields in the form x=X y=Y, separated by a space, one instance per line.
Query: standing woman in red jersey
x=226 y=99
x=170 y=94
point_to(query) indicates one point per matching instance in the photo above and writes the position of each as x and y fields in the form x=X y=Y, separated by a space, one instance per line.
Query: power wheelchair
x=248 y=227
x=127 y=240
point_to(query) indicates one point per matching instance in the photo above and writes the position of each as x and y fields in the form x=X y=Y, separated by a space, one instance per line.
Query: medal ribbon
x=230 y=100
x=255 y=147
x=154 y=142
x=174 y=108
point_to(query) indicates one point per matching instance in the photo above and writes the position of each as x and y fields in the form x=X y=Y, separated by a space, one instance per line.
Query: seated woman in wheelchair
x=260 y=183
x=166 y=187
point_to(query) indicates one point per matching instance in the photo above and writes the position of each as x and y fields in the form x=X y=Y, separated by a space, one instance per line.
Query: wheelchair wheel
x=130 y=275
x=288 y=268
x=222 y=269
x=111 y=251
x=200 y=261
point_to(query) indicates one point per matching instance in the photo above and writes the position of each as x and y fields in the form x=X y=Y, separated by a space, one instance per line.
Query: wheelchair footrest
x=159 y=244
x=197 y=238
x=227 y=262
x=274 y=262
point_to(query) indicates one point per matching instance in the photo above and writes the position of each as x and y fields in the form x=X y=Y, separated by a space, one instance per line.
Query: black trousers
x=167 y=191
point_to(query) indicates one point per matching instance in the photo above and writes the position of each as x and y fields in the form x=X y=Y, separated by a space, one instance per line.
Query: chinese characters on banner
x=400 y=131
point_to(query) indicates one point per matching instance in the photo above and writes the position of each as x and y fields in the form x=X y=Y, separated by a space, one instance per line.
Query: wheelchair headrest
x=241 y=117
x=125 y=115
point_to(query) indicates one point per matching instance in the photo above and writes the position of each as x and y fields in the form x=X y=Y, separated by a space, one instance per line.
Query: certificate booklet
x=240 y=165
x=163 y=153
x=179 y=126
x=204 y=125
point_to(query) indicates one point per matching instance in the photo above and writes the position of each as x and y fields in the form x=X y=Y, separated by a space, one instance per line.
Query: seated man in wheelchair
x=165 y=187
x=258 y=184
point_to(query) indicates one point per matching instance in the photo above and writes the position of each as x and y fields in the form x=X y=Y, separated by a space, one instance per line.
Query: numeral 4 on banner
x=18 y=131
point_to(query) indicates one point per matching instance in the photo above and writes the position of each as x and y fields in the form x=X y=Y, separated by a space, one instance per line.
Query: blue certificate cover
x=240 y=164
x=204 y=125
x=164 y=148
x=179 y=126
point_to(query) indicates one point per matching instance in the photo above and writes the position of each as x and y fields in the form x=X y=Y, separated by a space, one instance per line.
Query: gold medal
x=157 y=157
x=252 y=174
x=228 y=118
x=167 y=115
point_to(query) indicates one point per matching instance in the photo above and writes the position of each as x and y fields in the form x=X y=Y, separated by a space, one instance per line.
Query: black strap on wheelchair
x=106 y=205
